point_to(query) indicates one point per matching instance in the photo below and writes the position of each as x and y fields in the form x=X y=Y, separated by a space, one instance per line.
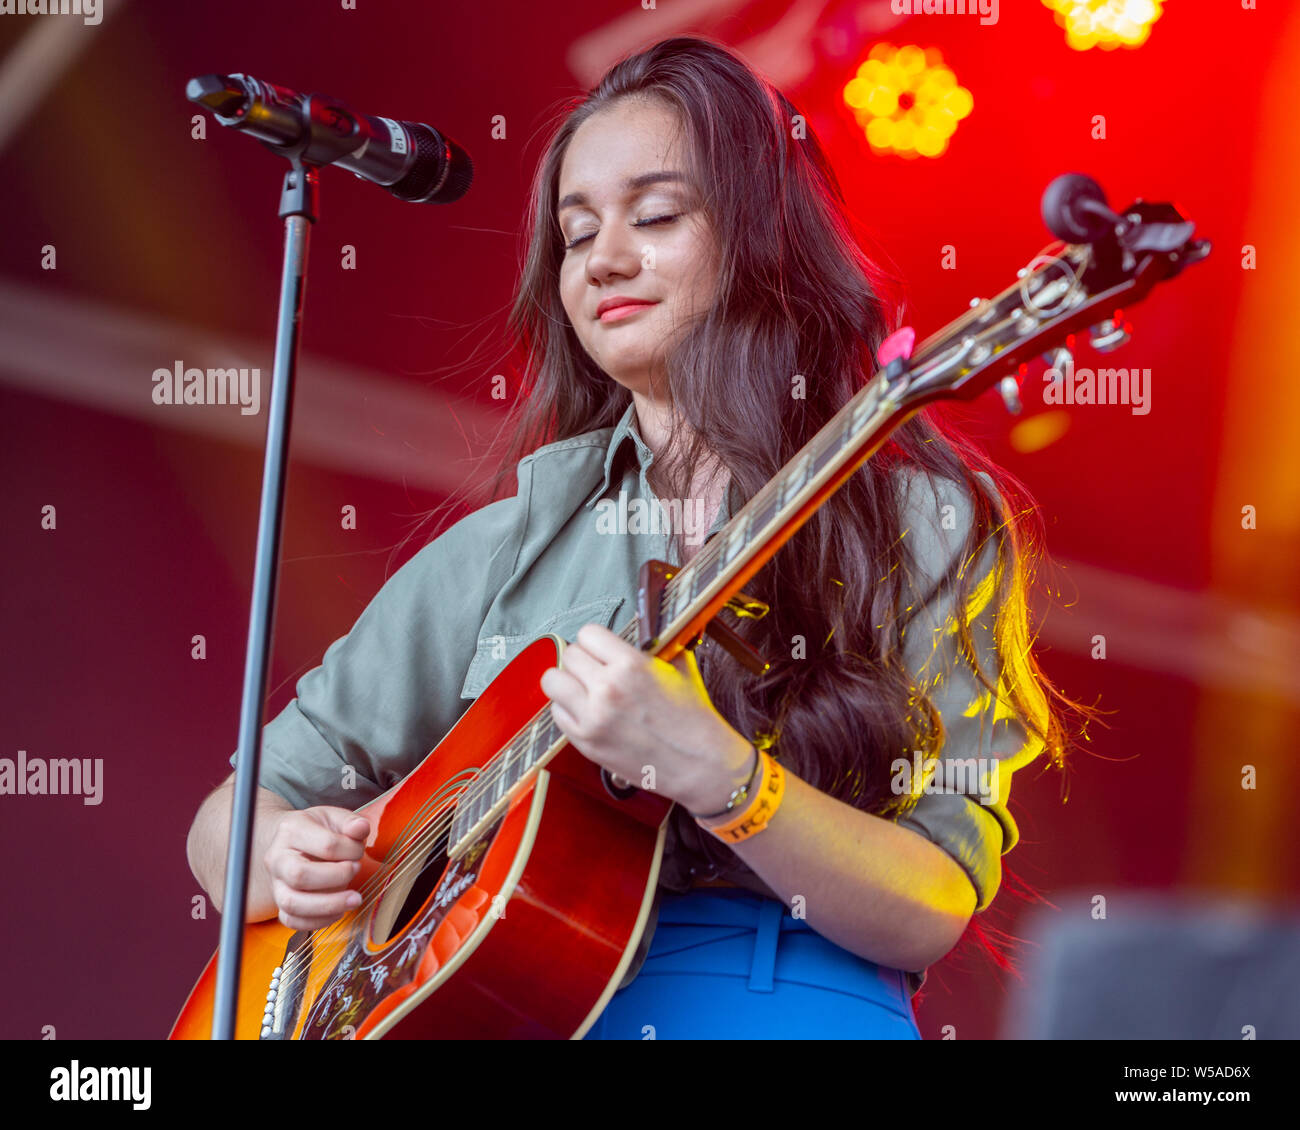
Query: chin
x=632 y=380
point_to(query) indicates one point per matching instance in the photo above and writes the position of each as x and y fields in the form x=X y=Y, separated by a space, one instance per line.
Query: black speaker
x=1157 y=967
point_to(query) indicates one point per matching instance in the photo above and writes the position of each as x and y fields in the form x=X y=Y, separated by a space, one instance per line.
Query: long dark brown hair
x=795 y=295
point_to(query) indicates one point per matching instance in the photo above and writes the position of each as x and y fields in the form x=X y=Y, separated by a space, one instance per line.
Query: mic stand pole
x=299 y=201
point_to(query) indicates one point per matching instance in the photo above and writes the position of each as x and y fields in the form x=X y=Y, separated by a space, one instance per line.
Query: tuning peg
x=1108 y=335
x=1060 y=359
x=1009 y=389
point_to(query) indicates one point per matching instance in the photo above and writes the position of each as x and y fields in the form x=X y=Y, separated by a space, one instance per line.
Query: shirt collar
x=625 y=433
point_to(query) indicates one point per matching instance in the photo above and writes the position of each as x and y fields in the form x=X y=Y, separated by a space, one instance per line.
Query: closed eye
x=666 y=219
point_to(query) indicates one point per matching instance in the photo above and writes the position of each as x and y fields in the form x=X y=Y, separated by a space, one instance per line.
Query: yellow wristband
x=759 y=811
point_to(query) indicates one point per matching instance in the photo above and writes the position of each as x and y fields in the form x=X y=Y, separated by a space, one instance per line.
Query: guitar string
x=339 y=934
x=392 y=861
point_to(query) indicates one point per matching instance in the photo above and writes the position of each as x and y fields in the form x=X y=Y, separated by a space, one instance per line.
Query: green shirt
x=446 y=623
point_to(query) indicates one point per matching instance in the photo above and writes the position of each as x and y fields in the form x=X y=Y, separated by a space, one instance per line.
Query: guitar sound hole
x=424 y=884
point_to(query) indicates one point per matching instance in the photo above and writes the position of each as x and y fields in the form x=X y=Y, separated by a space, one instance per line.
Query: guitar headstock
x=1106 y=262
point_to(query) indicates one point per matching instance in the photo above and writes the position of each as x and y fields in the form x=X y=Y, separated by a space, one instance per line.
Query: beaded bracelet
x=759 y=811
x=737 y=795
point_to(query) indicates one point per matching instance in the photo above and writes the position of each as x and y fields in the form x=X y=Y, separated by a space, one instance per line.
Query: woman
x=742 y=250
x=692 y=311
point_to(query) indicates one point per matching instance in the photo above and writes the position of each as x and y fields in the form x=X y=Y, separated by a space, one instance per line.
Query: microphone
x=412 y=160
x=1075 y=210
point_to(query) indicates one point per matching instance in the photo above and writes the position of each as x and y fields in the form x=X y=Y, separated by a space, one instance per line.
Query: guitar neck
x=699 y=590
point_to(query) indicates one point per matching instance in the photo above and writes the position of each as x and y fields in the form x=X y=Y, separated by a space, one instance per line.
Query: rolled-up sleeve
x=962 y=806
x=388 y=691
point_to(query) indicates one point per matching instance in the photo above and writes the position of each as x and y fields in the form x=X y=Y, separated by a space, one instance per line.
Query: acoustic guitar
x=487 y=911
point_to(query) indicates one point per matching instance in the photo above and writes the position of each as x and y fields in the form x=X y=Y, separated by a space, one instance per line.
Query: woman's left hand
x=647 y=721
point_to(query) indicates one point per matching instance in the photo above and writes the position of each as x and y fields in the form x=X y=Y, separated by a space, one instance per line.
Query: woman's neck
x=708 y=478
x=654 y=420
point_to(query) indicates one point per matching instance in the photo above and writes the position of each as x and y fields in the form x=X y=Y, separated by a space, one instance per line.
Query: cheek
x=692 y=268
x=570 y=292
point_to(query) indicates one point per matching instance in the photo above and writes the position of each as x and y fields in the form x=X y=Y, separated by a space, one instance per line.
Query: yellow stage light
x=1040 y=431
x=1106 y=23
x=906 y=100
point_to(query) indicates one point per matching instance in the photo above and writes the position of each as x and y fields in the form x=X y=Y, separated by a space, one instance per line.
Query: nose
x=613 y=253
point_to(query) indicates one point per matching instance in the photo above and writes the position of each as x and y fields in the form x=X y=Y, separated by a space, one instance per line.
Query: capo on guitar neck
x=654 y=578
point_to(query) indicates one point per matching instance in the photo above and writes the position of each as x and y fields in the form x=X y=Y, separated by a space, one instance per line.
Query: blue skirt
x=727 y=964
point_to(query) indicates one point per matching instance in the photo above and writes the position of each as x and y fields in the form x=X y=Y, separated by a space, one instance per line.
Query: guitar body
x=526 y=935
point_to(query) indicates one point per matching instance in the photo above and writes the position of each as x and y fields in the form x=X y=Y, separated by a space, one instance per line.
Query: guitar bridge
x=284 y=995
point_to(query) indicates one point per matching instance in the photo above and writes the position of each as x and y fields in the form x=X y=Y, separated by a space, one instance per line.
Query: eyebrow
x=632 y=184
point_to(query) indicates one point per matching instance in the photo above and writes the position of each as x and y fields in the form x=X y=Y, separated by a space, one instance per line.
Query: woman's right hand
x=313 y=856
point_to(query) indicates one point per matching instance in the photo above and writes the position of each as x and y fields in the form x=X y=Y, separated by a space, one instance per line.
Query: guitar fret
x=541 y=739
x=764 y=515
x=794 y=481
x=845 y=435
x=736 y=540
x=706 y=572
x=674 y=604
x=522 y=759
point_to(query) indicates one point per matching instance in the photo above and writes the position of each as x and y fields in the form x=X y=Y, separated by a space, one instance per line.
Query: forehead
x=633 y=136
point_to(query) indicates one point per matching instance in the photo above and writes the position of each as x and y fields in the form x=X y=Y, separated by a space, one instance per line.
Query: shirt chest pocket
x=494 y=649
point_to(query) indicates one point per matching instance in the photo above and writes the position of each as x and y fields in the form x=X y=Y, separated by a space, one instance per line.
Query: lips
x=611 y=309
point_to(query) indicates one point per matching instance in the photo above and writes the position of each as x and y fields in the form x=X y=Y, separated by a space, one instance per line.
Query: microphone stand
x=299 y=204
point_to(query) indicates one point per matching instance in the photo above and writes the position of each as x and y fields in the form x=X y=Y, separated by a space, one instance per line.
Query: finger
x=566 y=721
x=581 y=664
x=563 y=688
x=689 y=665
x=307 y=911
x=311 y=837
x=685 y=661
x=344 y=820
x=303 y=874
x=603 y=644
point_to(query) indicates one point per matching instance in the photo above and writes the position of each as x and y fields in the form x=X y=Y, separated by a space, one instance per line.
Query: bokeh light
x=906 y=100
x=1106 y=23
